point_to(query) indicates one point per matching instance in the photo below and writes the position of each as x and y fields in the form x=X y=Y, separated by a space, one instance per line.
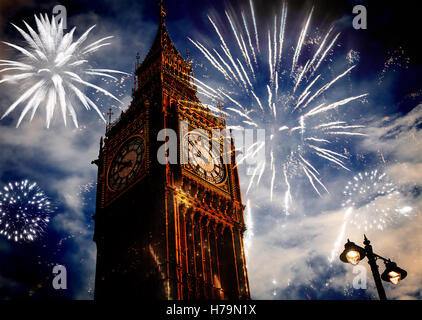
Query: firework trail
x=24 y=211
x=301 y=124
x=53 y=70
x=371 y=202
x=249 y=232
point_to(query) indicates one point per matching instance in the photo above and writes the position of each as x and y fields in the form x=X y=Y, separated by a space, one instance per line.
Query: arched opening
x=227 y=265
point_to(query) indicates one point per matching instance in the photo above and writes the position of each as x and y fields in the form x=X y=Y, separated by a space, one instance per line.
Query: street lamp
x=354 y=254
x=393 y=273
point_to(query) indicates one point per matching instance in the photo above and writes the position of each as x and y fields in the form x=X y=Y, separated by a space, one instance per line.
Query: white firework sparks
x=371 y=202
x=53 y=70
x=24 y=211
x=300 y=122
x=375 y=200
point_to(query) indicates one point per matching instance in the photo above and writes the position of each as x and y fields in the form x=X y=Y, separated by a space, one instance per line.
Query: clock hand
x=124 y=164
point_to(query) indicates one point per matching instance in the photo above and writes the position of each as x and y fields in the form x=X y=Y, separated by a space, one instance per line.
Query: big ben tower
x=168 y=230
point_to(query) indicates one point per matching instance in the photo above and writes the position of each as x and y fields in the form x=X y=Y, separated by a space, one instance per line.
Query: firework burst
x=277 y=83
x=24 y=211
x=375 y=200
x=372 y=201
x=53 y=70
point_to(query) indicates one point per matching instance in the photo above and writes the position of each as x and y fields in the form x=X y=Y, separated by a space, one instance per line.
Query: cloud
x=296 y=248
x=398 y=136
x=59 y=159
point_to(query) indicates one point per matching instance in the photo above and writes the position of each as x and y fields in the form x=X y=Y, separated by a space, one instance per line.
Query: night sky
x=287 y=256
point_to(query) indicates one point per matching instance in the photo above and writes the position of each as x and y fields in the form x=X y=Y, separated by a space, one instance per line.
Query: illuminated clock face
x=126 y=163
x=204 y=159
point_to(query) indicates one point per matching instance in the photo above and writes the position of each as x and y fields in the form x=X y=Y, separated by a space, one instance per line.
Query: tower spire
x=162 y=12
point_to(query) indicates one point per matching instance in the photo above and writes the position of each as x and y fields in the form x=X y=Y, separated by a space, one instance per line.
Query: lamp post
x=353 y=254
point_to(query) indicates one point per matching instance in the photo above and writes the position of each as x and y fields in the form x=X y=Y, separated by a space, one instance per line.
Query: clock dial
x=204 y=159
x=126 y=163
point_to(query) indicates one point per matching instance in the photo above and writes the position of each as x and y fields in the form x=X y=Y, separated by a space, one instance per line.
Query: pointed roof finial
x=110 y=113
x=366 y=241
x=220 y=108
x=162 y=11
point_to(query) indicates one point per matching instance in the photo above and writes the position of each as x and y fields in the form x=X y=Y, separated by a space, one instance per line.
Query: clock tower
x=171 y=230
